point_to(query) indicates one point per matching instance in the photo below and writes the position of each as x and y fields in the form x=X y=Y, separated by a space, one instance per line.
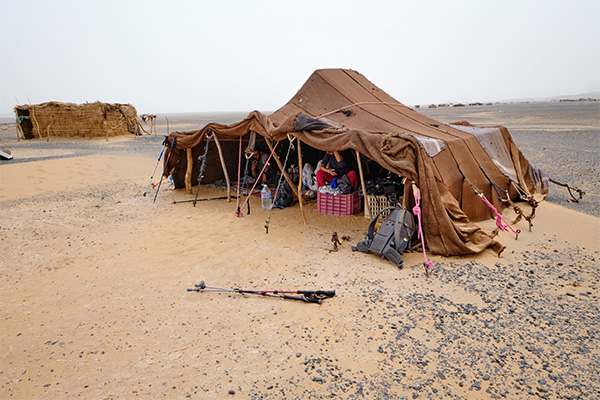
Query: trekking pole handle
x=306 y=299
x=326 y=293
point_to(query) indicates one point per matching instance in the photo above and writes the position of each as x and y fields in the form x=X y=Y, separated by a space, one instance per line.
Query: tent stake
x=362 y=183
x=224 y=167
x=300 y=180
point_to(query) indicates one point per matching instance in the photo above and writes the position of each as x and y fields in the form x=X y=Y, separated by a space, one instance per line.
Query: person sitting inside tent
x=257 y=162
x=334 y=166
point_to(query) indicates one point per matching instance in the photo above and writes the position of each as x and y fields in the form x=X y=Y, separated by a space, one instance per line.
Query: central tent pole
x=188 y=171
x=362 y=183
x=300 y=182
x=224 y=167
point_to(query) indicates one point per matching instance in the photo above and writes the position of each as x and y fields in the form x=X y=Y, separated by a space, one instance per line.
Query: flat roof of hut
x=55 y=119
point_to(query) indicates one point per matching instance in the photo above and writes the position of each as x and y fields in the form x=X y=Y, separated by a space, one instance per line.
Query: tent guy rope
x=362 y=103
x=417 y=211
x=268 y=221
x=500 y=222
x=239 y=212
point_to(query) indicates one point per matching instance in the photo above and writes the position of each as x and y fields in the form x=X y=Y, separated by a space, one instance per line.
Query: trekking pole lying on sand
x=308 y=296
x=199 y=200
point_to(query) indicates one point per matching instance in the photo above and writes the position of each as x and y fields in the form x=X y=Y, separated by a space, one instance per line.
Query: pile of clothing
x=341 y=185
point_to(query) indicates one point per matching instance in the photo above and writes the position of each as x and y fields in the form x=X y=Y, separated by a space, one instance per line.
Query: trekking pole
x=165 y=167
x=199 y=200
x=308 y=296
x=164 y=146
x=244 y=186
x=202 y=160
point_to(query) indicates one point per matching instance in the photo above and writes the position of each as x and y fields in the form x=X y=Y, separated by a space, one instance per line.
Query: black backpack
x=285 y=196
x=392 y=238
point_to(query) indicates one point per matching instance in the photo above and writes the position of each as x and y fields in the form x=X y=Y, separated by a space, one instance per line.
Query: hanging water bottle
x=265 y=196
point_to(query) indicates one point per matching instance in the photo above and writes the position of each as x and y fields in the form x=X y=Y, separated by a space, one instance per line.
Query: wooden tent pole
x=188 y=171
x=285 y=175
x=224 y=167
x=300 y=181
x=37 y=126
x=362 y=183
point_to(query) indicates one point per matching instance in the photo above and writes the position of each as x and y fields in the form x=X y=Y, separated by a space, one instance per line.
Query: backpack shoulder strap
x=374 y=221
x=401 y=218
x=385 y=234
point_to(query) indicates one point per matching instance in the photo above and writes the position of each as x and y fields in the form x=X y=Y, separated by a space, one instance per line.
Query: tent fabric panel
x=378 y=95
x=425 y=125
x=492 y=141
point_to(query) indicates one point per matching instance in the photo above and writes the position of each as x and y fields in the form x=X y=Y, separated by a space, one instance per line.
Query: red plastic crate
x=338 y=204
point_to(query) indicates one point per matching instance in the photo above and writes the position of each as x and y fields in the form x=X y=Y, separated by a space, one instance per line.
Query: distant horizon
x=587 y=95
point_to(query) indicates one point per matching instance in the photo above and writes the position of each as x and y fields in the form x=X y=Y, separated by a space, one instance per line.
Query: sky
x=242 y=55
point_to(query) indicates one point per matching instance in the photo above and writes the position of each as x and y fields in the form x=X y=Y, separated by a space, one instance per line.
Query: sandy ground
x=94 y=304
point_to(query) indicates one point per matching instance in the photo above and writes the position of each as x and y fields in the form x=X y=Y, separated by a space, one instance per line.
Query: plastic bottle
x=265 y=196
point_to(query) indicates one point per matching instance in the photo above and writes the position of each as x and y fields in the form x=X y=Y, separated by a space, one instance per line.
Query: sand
x=94 y=304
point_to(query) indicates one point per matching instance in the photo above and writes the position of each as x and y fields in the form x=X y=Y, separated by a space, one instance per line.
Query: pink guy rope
x=417 y=211
x=499 y=218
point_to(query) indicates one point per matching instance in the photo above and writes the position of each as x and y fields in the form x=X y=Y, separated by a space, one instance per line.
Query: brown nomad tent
x=96 y=119
x=339 y=109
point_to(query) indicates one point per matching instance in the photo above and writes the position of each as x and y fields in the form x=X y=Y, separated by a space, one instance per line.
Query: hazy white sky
x=226 y=55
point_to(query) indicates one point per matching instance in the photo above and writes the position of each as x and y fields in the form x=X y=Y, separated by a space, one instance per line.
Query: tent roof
x=338 y=109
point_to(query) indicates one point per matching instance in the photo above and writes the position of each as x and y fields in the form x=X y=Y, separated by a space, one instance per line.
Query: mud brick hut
x=89 y=120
